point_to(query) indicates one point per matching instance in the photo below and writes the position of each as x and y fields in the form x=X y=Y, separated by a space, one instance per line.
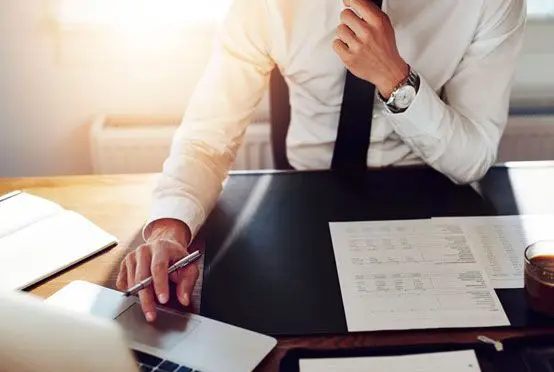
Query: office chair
x=279 y=106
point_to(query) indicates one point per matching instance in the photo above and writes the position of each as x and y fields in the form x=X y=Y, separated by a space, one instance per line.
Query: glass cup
x=539 y=276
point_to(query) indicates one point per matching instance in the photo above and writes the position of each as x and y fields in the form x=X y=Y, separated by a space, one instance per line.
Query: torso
x=432 y=36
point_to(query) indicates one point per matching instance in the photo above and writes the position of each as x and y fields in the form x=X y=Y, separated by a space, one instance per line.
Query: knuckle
x=167 y=245
x=162 y=242
x=382 y=22
x=130 y=259
x=158 y=268
x=364 y=35
x=142 y=249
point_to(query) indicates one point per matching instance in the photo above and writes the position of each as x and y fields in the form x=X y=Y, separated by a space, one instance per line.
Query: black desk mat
x=269 y=263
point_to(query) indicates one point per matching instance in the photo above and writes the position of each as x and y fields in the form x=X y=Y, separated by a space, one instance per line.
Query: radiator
x=122 y=145
x=140 y=145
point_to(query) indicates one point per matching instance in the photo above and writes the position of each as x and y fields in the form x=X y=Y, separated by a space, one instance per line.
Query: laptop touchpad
x=165 y=333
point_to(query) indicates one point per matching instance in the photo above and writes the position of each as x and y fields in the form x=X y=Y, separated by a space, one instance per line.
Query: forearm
x=205 y=145
x=458 y=136
x=461 y=147
x=190 y=185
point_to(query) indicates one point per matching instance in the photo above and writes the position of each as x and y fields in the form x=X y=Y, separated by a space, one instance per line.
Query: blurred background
x=99 y=86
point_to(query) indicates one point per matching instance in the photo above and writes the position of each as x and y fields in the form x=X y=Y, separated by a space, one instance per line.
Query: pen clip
x=487 y=340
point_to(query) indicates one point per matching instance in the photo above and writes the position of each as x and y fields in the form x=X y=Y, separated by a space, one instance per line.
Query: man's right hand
x=165 y=245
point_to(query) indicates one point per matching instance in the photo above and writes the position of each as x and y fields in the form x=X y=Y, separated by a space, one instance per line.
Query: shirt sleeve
x=459 y=136
x=205 y=144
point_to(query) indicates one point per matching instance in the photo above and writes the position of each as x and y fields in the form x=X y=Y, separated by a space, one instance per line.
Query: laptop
x=89 y=328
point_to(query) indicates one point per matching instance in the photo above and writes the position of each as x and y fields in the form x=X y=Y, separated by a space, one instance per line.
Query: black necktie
x=354 y=129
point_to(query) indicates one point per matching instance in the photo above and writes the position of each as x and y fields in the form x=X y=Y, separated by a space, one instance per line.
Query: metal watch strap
x=412 y=80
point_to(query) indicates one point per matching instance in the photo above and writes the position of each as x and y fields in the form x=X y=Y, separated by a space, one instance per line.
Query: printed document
x=411 y=275
x=499 y=243
x=454 y=361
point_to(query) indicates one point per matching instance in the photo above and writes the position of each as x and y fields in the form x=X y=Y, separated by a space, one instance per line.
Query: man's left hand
x=367 y=46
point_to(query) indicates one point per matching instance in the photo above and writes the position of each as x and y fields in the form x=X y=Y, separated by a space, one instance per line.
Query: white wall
x=45 y=100
x=535 y=77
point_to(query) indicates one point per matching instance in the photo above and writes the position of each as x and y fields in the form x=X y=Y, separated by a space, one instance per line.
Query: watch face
x=404 y=97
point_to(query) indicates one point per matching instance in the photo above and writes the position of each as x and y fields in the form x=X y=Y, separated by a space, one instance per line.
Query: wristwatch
x=404 y=94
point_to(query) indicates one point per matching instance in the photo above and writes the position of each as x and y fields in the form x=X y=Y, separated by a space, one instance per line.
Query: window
x=540 y=8
x=139 y=14
x=136 y=31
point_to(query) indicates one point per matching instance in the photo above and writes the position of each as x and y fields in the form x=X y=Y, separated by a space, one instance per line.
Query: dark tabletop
x=269 y=262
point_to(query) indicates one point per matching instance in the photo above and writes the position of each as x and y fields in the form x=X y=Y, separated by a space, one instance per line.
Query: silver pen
x=182 y=263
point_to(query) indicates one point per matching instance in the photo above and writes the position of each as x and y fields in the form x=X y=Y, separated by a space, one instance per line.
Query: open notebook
x=39 y=238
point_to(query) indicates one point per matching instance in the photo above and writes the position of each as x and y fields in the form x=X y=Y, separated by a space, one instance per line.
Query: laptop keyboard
x=151 y=363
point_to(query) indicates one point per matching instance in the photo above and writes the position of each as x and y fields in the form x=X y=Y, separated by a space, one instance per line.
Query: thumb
x=185 y=279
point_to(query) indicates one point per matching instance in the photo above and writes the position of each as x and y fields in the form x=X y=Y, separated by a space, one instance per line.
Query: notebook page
x=48 y=246
x=23 y=210
x=454 y=361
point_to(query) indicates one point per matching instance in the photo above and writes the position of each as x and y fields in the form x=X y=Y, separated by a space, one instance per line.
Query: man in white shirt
x=442 y=69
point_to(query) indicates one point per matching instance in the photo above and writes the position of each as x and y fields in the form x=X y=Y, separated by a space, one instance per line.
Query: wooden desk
x=119 y=204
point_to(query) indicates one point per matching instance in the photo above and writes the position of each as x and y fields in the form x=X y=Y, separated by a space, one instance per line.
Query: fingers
x=355 y=23
x=121 y=282
x=146 y=296
x=367 y=10
x=186 y=279
x=130 y=263
x=347 y=36
x=154 y=260
x=341 y=49
x=159 y=267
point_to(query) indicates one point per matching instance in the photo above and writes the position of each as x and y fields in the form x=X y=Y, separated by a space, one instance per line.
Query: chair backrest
x=280 y=119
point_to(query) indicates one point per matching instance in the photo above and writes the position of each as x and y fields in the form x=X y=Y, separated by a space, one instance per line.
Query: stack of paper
x=412 y=274
x=499 y=243
x=434 y=273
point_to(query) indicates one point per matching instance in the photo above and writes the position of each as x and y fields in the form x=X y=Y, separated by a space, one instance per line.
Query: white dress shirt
x=464 y=51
